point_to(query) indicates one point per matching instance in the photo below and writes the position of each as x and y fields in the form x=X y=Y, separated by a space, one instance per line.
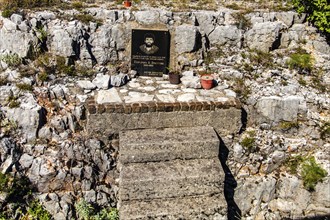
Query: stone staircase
x=170 y=173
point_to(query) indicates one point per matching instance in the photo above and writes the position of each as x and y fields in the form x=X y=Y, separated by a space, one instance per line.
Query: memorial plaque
x=150 y=52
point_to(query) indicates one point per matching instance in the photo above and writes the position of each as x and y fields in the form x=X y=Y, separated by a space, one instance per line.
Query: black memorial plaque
x=150 y=52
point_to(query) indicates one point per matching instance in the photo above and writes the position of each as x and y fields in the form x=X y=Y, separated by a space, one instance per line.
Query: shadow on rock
x=233 y=211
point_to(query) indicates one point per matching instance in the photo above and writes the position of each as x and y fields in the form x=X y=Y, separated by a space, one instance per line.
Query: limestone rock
x=264 y=36
x=101 y=81
x=119 y=80
x=14 y=40
x=186 y=97
x=206 y=21
x=120 y=34
x=26 y=160
x=280 y=109
x=191 y=82
x=226 y=35
x=5 y=93
x=100 y=47
x=16 y=18
x=147 y=17
x=321 y=196
x=251 y=192
x=64 y=39
x=286 y=17
x=86 y=84
x=186 y=38
x=108 y=96
x=30 y=116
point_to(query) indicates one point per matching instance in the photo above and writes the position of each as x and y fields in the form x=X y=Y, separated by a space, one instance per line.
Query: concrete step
x=177 y=178
x=148 y=145
x=199 y=207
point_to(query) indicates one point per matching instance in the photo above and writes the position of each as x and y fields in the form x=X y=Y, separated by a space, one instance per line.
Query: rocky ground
x=286 y=106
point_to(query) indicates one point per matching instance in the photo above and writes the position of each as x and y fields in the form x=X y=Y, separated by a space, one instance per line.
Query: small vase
x=174 y=78
x=127 y=4
x=207 y=81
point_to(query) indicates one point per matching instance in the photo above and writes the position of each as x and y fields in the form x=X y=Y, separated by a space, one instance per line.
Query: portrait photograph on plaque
x=150 y=52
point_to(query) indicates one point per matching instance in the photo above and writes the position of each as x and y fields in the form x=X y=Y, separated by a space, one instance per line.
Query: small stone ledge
x=146 y=107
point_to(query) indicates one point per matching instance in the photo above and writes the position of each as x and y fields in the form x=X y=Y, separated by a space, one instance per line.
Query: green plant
x=24 y=86
x=77 y=5
x=5 y=4
x=42 y=34
x=7 y=126
x=84 y=209
x=318 y=12
x=83 y=71
x=248 y=142
x=3 y=81
x=293 y=164
x=312 y=173
x=4 y=179
x=7 y=12
x=107 y=214
x=63 y=68
x=302 y=81
x=317 y=82
x=37 y=211
x=243 y=91
x=260 y=58
x=325 y=130
x=241 y=21
x=302 y=62
x=12 y=102
x=87 y=18
x=12 y=60
x=287 y=125
x=43 y=76
x=233 y=6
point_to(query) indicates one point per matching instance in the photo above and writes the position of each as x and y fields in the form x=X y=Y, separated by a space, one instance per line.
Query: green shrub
x=243 y=91
x=37 y=211
x=43 y=76
x=12 y=102
x=260 y=58
x=86 y=18
x=318 y=12
x=77 y=5
x=287 y=125
x=318 y=84
x=3 y=81
x=5 y=4
x=24 y=86
x=42 y=34
x=107 y=214
x=63 y=68
x=241 y=21
x=12 y=60
x=86 y=211
x=293 y=164
x=302 y=62
x=325 y=130
x=248 y=142
x=7 y=12
x=312 y=173
x=4 y=179
x=302 y=81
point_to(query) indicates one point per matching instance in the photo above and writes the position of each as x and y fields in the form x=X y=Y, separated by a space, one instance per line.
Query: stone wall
x=192 y=33
x=107 y=119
